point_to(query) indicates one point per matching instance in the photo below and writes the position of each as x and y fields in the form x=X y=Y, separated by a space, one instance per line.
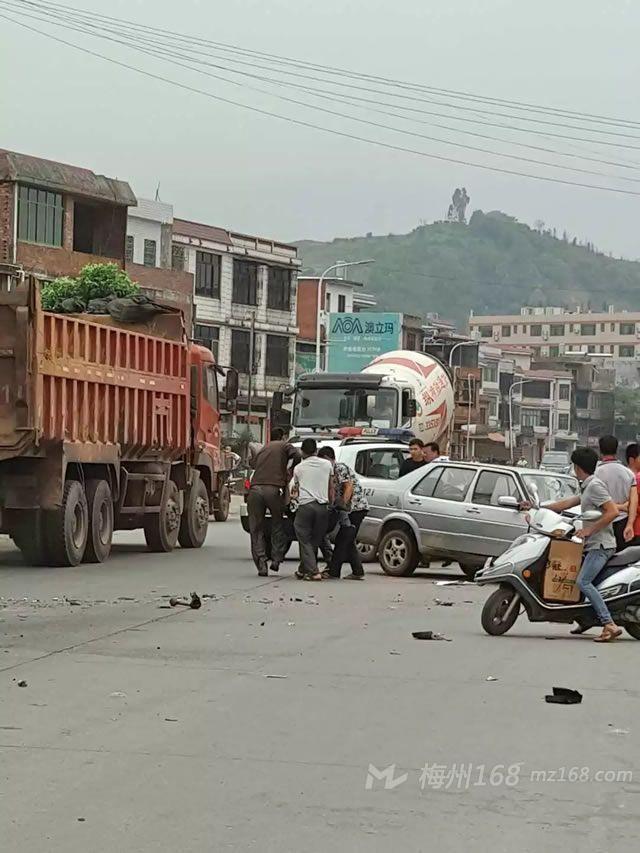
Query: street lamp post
x=520 y=382
x=319 y=305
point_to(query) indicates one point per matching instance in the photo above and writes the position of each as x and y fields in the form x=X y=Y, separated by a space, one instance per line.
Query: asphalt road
x=250 y=724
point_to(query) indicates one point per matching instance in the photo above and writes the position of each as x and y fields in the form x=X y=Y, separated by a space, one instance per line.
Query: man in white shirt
x=312 y=488
x=620 y=483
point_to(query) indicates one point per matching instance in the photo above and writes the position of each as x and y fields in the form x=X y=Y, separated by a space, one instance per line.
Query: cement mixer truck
x=396 y=394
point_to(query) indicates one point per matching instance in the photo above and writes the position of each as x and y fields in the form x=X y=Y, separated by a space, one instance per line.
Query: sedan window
x=492 y=485
x=427 y=485
x=381 y=464
x=454 y=484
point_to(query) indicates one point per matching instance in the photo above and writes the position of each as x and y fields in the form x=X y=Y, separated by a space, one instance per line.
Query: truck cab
x=208 y=455
x=332 y=401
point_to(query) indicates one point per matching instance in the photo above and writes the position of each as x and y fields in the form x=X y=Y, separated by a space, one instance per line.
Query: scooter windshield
x=546 y=521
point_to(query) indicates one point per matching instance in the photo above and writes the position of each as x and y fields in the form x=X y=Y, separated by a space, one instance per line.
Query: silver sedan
x=458 y=511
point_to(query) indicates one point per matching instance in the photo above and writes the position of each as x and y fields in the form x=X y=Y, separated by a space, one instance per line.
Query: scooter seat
x=626 y=557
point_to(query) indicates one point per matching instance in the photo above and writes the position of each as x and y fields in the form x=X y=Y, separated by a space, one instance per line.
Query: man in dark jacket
x=268 y=485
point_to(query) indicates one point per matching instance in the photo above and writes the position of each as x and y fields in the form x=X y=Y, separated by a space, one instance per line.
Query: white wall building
x=149 y=227
x=245 y=290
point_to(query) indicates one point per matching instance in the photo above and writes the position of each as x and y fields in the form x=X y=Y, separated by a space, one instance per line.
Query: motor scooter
x=519 y=575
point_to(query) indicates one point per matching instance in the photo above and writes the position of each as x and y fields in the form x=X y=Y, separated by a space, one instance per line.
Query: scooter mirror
x=591 y=515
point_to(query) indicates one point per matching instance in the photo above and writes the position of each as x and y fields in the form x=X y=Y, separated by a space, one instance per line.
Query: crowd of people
x=326 y=497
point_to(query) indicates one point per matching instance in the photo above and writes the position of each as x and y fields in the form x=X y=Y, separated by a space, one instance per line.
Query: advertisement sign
x=305 y=360
x=355 y=339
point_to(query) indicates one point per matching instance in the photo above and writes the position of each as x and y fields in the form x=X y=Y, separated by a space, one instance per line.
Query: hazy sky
x=222 y=165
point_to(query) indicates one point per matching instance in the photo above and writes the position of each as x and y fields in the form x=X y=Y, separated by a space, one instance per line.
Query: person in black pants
x=349 y=497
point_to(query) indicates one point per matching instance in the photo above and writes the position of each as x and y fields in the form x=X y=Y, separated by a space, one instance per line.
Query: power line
x=311 y=125
x=378 y=125
x=279 y=59
x=333 y=97
x=344 y=98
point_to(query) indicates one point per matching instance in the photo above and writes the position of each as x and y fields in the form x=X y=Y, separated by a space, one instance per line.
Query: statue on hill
x=458 y=207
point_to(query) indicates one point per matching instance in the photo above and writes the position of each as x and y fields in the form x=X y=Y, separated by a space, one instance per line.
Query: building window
x=627 y=328
x=505 y=331
x=537 y=389
x=587 y=328
x=208 y=275
x=149 y=253
x=591 y=348
x=490 y=373
x=245 y=282
x=128 y=248
x=564 y=392
x=39 y=216
x=563 y=422
x=557 y=330
x=554 y=352
x=277 y=355
x=613 y=327
x=602 y=327
x=279 y=289
x=327 y=300
x=240 y=350
x=515 y=330
x=485 y=331
x=411 y=341
x=207 y=336
x=534 y=417
x=177 y=256
x=626 y=351
x=493 y=408
x=342 y=305
x=535 y=331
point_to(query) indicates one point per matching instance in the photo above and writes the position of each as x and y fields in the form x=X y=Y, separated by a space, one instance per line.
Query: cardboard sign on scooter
x=561 y=572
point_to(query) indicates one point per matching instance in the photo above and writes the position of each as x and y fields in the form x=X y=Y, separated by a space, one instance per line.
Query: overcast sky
x=222 y=165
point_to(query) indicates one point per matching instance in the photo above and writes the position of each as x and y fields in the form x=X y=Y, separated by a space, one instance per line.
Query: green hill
x=493 y=264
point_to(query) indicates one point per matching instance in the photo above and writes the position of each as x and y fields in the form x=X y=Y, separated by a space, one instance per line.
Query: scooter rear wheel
x=494 y=610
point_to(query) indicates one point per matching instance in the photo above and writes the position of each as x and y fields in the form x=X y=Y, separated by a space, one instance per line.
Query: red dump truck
x=104 y=427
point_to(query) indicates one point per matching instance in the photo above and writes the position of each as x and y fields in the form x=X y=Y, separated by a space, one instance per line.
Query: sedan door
x=491 y=527
x=438 y=503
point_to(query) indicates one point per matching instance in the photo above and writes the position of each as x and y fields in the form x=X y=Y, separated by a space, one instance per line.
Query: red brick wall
x=308 y=308
x=171 y=287
x=6 y=222
x=51 y=261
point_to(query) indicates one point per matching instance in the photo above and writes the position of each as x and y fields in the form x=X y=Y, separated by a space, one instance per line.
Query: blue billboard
x=355 y=339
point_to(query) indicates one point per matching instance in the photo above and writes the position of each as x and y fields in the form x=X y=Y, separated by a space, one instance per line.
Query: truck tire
x=195 y=517
x=100 y=502
x=222 y=504
x=161 y=529
x=67 y=528
x=28 y=532
x=398 y=552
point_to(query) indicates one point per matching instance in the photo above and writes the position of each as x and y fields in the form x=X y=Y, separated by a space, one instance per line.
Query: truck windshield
x=335 y=407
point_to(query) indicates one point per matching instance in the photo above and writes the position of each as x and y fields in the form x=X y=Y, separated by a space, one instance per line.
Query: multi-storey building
x=245 y=309
x=550 y=332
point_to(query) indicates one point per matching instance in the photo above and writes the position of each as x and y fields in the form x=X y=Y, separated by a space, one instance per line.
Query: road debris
x=194 y=603
x=429 y=635
x=395 y=653
x=117 y=694
x=73 y=602
x=291 y=624
x=564 y=696
x=22 y=683
x=491 y=678
x=613 y=731
x=441 y=603
x=276 y=676
x=452 y=583
x=171 y=719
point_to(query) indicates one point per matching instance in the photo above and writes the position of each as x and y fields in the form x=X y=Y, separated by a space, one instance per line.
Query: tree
x=458 y=207
x=539 y=225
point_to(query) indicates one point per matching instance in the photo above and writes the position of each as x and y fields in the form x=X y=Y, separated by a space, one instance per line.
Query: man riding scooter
x=599 y=539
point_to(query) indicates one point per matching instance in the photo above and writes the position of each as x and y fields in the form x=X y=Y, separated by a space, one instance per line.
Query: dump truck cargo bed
x=71 y=380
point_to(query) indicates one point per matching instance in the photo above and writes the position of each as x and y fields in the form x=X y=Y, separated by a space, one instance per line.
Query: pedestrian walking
x=266 y=493
x=352 y=507
x=599 y=539
x=415 y=459
x=620 y=483
x=312 y=488
x=632 y=529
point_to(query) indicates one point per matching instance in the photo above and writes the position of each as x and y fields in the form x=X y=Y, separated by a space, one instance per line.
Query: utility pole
x=252 y=346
